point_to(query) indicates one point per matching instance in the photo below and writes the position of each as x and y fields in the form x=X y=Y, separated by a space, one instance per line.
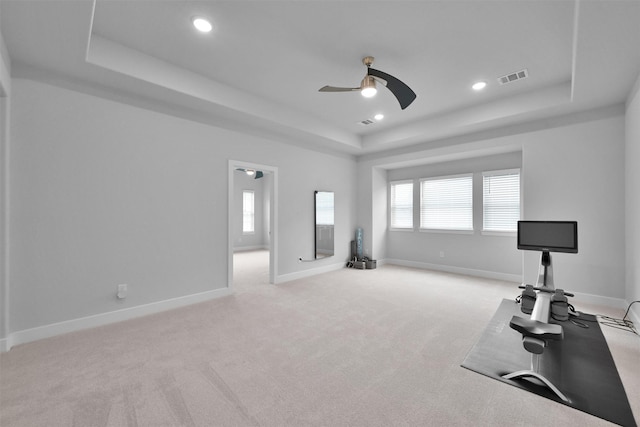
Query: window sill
x=402 y=229
x=446 y=231
x=499 y=233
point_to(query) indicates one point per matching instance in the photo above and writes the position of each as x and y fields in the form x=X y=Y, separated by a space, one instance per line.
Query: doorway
x=262 y=181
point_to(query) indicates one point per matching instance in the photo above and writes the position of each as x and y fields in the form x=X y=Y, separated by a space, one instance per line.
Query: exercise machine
x=537 y=332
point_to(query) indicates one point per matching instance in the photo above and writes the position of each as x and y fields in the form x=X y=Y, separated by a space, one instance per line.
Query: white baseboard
x=5 y=344
x=47 y=331
x=457 y=270
x=307 y=273
x=599 y=300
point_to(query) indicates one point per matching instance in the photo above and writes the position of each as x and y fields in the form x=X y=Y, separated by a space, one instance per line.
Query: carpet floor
x=348 y=348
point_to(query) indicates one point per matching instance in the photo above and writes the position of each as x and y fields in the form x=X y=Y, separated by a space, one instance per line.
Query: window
x=402 y=204
x=501 y=200
x=446 y=203
x=248 y=212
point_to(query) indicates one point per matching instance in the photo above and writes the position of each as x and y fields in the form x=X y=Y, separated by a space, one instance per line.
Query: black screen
x=552 y=236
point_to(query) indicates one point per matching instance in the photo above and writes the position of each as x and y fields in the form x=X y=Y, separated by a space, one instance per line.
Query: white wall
x=632 y=195
x=366 y=210
x=484 y=254
x=572 y=168
x=267 y=189
x=5 y=91
x=103 y=193
x=577 y=173
x=379 y=214
x=5 y=69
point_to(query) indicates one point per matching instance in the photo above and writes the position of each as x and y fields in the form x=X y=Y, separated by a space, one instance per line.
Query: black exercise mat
x=580 y=365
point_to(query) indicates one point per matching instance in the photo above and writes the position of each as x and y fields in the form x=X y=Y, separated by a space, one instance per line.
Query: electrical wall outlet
x=441 y=254
x=122 y=291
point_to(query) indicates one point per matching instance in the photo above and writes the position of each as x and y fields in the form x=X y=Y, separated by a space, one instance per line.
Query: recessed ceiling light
x=479 y=85
x=379 y=116
x=202 y=24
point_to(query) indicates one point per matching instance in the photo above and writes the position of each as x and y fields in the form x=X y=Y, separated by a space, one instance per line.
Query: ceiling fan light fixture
x=202 y=24
x=368 y=87
x=250 y=172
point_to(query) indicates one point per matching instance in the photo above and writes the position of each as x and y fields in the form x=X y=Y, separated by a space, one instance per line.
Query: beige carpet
x=348 y=348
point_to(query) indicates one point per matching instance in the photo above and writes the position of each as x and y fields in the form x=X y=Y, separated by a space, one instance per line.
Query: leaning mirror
x=324 y=224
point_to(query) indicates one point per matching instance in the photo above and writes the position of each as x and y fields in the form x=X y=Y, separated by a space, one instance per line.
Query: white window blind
x=402 y=204
x=501 y=200
x=248 y=212
x=447 y=203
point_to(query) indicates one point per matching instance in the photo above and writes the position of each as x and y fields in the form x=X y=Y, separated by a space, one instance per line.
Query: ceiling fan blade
x=401 y=91
x=337 y=89
x=257 y=174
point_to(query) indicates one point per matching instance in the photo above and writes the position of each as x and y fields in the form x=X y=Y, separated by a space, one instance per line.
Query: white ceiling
x=260 y=69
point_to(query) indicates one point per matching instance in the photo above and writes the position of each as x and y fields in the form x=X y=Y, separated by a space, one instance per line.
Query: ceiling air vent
x=367 y=122
x=510 y=78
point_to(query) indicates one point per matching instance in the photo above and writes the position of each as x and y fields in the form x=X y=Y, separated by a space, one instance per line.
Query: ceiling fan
x=367 y=88
x=252 y=172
